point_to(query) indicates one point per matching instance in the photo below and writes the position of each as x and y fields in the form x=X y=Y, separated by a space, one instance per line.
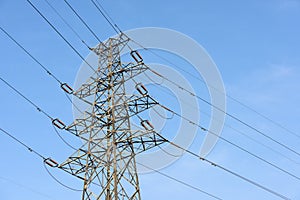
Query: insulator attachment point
x=67 y=88
x=58 y=123
x=147 y=125
x=136 y=56
x=141 y=89
x=51 y=162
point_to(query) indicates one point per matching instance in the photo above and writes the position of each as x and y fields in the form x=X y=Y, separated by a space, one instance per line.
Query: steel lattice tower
x=106 y=162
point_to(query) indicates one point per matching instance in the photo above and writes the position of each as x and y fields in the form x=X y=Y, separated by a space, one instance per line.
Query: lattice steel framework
x=106 y=162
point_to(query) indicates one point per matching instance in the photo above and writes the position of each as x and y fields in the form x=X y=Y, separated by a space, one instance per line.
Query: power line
x=30 y=55
x=188 y=151
x=39 y=155
x=211 y=163
x=66 y=23
x=27 y=99
x=59 y=182
x=227 y=170
x=64 y=86
x=181 y=182
x=64 y=141
x=53 y=27
x=159 y=86
x=231 y=143
x=230 y=115
x=265 y=117
x=168 y=141
x=55 y=121
x=106 y=16
x=76 y=190
x=27 y=188
x=109 y=20
x=85 y=24
x=23 y=144
x=232 y=98
x=221 y=167
x=226 y=113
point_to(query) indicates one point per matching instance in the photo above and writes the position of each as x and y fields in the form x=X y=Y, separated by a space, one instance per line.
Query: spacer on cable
x=58 y=123
x=51 y=162
x=136 y=56
x=147 y=125
x=141 y=89
x=67 y=88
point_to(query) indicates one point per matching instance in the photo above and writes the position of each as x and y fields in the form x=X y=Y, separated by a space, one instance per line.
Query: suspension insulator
x=66 y=88
x=51 y=162
x=141 y=89
x=58 y=123
x=136 y=56
x=147 y=125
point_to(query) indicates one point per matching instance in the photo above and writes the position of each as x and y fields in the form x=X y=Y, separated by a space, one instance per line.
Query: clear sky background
x=255 y=45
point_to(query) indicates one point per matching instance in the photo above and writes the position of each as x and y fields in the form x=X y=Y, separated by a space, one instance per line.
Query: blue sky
x=255 y=45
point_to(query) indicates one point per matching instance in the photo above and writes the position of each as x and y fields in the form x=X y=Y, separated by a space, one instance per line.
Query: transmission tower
x=106 y=162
